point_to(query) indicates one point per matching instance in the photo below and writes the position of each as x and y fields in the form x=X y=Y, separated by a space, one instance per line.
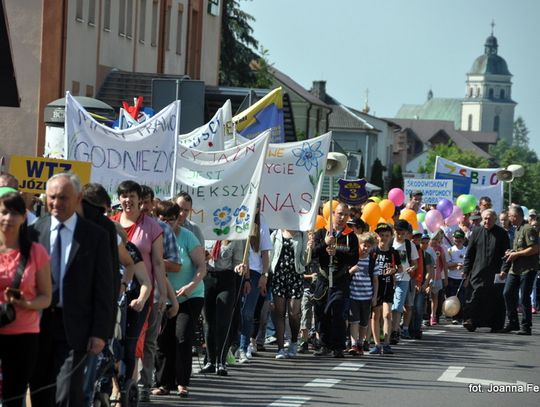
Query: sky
x=399 y=49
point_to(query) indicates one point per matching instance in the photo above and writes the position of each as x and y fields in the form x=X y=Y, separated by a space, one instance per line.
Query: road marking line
x=450 y=375
x=350 y=366
x=322 y=383
x=290 y=401
x=434 y=332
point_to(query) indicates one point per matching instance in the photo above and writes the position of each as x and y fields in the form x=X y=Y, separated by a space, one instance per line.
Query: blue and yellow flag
x=267 y=113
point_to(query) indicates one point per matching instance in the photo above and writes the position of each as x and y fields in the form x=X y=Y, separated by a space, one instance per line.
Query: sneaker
x=455 y=322
x=243 y=357
x=376 y=350
x=338 y=354
x=249 y=352
x=208 y=368
x=365 y=346
x=293 y=348
x=221 y=370
x=387 y=350
x=282 y=354
x=144 y=394
x=469 y=325
x=286 y=344
x=355 y=350
x=304 y=347
x=524 y=331
x=323 y=351
x=426 y=322
x=394 y=337
x=508 y=328
x=433 y=321
x=270 y=340
x=405 y=334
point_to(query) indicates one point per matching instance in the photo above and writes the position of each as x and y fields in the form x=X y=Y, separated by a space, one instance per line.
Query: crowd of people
x=342 y=289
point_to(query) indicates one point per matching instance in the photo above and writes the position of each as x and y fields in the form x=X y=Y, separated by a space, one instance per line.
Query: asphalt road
x=448 y=367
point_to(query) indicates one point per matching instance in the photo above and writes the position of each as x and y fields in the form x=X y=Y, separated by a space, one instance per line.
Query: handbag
x=7 y=310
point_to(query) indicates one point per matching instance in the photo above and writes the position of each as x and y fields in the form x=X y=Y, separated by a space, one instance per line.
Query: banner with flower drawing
x=224 y=186
x=292 y=181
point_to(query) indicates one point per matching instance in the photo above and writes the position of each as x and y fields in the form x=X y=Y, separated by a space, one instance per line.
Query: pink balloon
x=434 y=220
x=397 y=196
x=455 y=217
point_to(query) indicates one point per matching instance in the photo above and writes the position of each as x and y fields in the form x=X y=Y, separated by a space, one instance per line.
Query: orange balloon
x=387 y=208
x=326 y=208
x=320 y=223
x=371 y=212
x=390 y=221
x=409 y=215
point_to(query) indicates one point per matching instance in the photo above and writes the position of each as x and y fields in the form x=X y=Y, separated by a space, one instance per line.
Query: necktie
x=57 y=265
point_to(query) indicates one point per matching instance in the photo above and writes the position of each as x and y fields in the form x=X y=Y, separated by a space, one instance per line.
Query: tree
x=520 y=133
x=240 y=64
x=377 y=173
x=526 y=189
x=452 y=152
x=396 y=177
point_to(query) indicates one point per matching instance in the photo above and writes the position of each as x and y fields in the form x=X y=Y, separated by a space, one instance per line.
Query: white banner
x=144 y=153
x=224 y=186
x=433 y=190
x=211 y=136
x=292 y=182
x=467 y=180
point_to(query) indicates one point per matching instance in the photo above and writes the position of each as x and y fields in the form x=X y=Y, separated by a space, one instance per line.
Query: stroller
x=110 y=368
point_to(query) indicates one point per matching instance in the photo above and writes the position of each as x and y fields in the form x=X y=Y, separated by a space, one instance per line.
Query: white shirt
x=456 y=256
x=67 y=238
x=255 y=259
x=402 y=249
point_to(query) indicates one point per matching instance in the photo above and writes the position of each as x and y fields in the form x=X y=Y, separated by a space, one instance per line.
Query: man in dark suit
x=79 y=319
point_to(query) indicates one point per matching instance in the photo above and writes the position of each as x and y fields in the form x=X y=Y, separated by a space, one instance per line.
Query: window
x=477 y=92
x=79 y=11
x=75 y=88
x=92 y=13
x=213 y=7
x=470 y=92
x=179 y=29
x=168 y=28
x=129 y=19
x=107 y=15
x=469 y=124
x=122 y=18
x=501 y=94
x=155 y=6
x=142 y=21
x=496 y=123
x=89 y=91
x=490 y=93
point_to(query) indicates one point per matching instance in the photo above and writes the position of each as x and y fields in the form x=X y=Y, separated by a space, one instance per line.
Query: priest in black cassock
x=484 y=259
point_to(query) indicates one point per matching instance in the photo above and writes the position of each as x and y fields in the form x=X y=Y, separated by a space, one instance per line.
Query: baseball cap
x=382 y=227
x=403 y=225
x=459 y=234
x=425 y=235
x=416 y=233
x=357 y=222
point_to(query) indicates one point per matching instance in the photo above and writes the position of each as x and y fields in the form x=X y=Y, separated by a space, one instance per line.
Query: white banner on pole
x=433 y=190
x=143 y=153
x=224 y=186
x=212 y=135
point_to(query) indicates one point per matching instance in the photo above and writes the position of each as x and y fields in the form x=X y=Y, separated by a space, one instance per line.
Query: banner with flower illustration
x=292 y=182
x=224 y=186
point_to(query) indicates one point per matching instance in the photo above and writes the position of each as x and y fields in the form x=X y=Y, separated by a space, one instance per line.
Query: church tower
x=488 y=104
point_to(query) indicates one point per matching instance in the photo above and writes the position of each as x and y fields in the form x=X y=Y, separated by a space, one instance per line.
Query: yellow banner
x=33 y=172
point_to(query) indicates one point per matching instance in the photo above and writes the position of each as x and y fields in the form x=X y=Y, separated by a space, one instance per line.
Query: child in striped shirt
x=363 y=292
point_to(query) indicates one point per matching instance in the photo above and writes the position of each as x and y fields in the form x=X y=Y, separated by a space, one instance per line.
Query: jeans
x=400 y=295
x=514 y=285
x=248 y=310
x=415 y=327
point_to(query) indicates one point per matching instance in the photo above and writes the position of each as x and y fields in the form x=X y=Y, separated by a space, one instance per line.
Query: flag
x=265 y=114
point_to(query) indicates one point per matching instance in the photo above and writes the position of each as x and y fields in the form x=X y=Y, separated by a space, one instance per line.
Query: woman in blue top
x=176 y=339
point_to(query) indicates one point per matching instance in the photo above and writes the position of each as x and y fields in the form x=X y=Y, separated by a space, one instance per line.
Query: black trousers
x=18 y=354
x=219 y=300
x=174 y=345
x=57 y=363
x=331 y=315
x=478 y=307
x=134 y=324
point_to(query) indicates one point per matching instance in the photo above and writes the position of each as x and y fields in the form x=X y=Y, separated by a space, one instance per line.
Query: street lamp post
x=508 y=175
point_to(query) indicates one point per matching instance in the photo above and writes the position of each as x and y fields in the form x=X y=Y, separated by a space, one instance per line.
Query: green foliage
x=396 y=177
x=377 y=173
x=240 y=64
x=452 y=152
x=525 y=190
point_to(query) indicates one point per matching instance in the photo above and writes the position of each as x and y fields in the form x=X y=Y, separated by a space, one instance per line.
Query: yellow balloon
x=375 y=199
x=371 y=213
